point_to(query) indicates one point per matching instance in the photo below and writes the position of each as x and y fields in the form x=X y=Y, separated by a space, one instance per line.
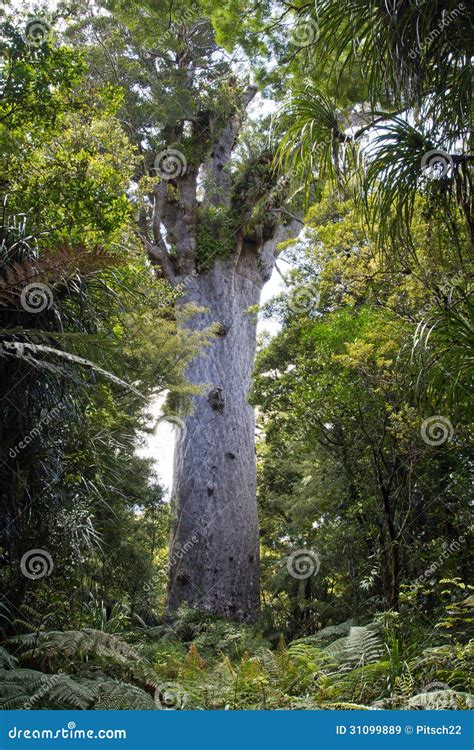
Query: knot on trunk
x=216 y=399
x=222 y=330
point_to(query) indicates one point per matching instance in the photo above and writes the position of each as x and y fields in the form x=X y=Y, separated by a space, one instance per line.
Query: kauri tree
x=210 y=223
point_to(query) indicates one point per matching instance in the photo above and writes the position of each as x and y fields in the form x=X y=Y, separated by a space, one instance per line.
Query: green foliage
x=66 y=224
x=344 y=468
x=29 y=689
x=444 y=341
x=92 y=670
x=359 y=647
x=215 y=234
x=413 y=95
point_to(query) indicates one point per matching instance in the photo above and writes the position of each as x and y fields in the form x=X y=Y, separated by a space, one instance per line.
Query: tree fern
x=75 y=644
x=327 y=634
x=361 y=646
x=6 y=660
x=78 y=649
x=116 y=696
x=27 y=689
x=341 y=706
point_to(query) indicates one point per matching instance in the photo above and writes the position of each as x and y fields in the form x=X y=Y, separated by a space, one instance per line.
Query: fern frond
x=361 y=646
x=112 y=695
x=442 y=699
x=6 y=659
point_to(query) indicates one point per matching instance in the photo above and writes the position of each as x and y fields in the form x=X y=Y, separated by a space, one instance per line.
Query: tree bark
x=214 y=556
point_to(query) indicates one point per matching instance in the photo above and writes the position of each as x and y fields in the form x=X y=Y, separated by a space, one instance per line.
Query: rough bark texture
x=214 y=562
x=214 y=553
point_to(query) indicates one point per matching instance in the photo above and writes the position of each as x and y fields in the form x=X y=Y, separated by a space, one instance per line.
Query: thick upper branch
x=217 y=179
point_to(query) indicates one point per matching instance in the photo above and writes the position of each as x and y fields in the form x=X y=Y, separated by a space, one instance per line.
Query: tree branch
x=219 y=183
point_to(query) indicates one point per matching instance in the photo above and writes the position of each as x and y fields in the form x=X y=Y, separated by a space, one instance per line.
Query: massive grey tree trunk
x=214 y=559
